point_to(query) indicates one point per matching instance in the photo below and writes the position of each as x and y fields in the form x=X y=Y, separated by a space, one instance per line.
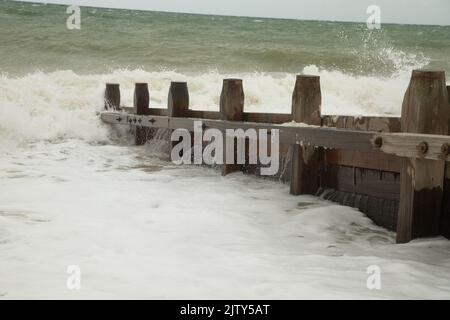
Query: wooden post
x=231 y=109
x=425 y=110
x=306 y=160
x=178 y=100
x=141 y=105
x=112 y=96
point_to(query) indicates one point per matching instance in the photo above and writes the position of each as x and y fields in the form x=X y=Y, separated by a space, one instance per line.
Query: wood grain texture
x=381 y=124
x=330 y=138
x=231 y=109
x=112 y=96
x=425 y=110
x=375 y=160
x=141 y=105
x=178 y=99
x=306 y=160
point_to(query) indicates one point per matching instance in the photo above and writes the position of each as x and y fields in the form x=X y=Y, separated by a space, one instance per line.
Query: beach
x=75 y=191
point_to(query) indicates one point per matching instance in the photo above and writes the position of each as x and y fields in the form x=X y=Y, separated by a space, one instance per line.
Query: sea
x=77 y=194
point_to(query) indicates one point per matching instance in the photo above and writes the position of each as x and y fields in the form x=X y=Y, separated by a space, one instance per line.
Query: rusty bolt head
x=422 y=147
x=378 y=142
x=445 y=149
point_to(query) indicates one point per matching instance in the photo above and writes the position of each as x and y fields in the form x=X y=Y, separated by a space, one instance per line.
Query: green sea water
x=35 y=37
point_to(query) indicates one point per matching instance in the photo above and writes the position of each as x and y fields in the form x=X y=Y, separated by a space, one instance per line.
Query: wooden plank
x=306 y=160
x=382 y=124
x=214 y=115
x=135 y=120
x=369 y=160
x=403 y=144
x=421 y=146
x=276 y=118
x=364 y=181
x=157 y=112
x=425 y=110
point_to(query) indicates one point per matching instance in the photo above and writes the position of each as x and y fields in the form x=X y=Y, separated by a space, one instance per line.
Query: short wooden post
x=178 y=100
x=112 y=96
x=425 y=110
x=231 y=109
x=141 y=105
x=306 y=160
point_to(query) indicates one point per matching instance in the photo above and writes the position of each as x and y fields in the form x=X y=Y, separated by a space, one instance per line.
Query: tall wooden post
x=231 y=109
x=141 y=105
x=306 y=160
x=178 y=99
x=112 y=96
x=425 y=110
x=445 y=213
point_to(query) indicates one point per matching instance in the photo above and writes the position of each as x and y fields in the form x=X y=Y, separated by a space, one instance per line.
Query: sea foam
x=63 y=104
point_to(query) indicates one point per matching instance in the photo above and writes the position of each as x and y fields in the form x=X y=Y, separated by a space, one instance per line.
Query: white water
x=62 y=104
x=138 y=227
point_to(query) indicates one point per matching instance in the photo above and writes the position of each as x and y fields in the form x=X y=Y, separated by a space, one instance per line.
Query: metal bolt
x=445 y=149
x=423 y=147
x=378 y=142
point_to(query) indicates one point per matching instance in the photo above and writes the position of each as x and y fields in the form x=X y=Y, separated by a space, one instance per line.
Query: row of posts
x=426 y=109
x=306 y=102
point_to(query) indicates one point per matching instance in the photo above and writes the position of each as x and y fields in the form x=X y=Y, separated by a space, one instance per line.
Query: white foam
x=63 y=104
x=187 y=233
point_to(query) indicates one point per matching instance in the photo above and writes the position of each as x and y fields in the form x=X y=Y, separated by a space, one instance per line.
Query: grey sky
x=396 y=11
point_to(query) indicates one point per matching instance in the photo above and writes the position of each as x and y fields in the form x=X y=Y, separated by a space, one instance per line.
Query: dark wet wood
x=275 y=118
x=306 y=160
x=178 y=100
x=112 y=96
x=141 y=106
x=231 y=109
x=375 y=160
x=425 y=110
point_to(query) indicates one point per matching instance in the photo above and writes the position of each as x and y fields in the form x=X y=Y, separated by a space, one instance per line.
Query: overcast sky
x=396 y=11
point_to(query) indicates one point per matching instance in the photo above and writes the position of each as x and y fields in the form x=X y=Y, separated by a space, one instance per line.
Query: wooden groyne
x=395 y=170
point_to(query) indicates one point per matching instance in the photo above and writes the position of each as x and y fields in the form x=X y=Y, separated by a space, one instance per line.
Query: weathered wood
x=214 y=115
x=112 y=96
x=413 y=145
x=384 y=124
x=141 y=105
x=425 y=110
x=231 y=109
x=445 y=220
x=306 y=160
x=157 y=112
x=368 y=160
x=178 y=99
x=136 y=120
x=318 y=136
x=276 y=118
x=178 y=102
